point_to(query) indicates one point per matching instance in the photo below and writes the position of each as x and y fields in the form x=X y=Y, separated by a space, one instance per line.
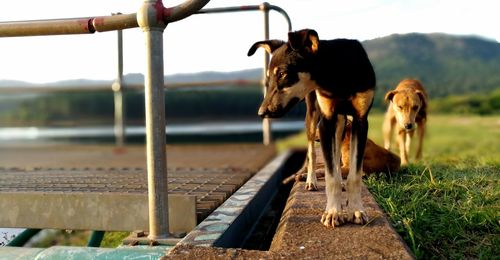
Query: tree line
x=194 y=104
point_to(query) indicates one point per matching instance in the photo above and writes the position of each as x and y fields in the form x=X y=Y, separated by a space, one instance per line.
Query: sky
x=219 y=42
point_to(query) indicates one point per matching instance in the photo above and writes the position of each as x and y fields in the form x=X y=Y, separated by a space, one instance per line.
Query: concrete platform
x=91 y=187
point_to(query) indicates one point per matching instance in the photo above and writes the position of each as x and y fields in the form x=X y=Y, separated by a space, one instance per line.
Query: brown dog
x=376 y=158
x=407 y=111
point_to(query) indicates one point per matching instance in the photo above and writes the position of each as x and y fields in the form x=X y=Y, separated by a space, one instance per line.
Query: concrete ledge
x=91 y=211
x=300 y=233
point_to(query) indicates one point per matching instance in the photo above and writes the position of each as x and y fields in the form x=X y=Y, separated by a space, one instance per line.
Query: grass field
x=446 y=206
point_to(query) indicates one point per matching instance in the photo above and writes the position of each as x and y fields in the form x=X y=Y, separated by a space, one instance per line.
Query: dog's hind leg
x=355 y=211
x=312 y=117
x=330 y=145
x=359 y=134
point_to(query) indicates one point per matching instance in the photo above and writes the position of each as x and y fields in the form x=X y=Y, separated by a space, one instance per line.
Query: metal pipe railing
x=152 y=17
x=266 y=122
x=155 y=119
x=119 y=100
x=262 y=7
x=86 y=25
x=22 y=238
x=120 y=21
x=83 y=25
x=125 y=86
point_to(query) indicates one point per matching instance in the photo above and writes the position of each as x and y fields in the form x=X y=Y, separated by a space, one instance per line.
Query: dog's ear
x=422 y=97
x=269 y=46
x=390 y=95
x=304 y=41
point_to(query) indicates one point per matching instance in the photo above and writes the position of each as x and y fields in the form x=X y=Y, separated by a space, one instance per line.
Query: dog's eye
x=281 y=75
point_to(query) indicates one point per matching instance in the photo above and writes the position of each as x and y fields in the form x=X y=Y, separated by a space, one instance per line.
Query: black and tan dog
x=341 y=75
x=406 y=112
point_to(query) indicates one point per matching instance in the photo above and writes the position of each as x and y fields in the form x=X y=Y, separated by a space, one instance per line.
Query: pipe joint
x=150 y=16
x=265 y=6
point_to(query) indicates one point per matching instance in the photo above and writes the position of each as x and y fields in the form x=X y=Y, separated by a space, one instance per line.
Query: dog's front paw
x=311 y=186
x=311 y=182
x=357 y=217
x=332 y=218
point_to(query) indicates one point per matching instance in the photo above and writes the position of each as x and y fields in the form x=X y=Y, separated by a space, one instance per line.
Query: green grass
x=446 y=206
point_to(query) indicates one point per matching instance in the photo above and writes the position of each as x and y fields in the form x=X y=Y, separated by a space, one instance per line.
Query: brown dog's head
x=288 y=79
x=406 y=105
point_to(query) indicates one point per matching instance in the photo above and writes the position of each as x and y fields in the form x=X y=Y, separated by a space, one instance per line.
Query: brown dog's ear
x=304 y=41
x=269 y=46
x=390 y=95
x=422 y=97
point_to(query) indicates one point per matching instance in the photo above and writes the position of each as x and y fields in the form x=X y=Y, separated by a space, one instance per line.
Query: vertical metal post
x=118 y=96
x=152 y=25
x=266 y=122
x=96 y=238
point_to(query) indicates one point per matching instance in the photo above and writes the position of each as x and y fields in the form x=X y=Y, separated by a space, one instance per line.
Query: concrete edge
x=377 y=239
x=92 y=211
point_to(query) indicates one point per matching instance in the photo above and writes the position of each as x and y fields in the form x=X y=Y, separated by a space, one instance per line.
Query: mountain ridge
x=446 y=64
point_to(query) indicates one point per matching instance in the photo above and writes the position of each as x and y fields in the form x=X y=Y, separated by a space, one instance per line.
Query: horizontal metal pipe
x=83 y=25
x=46 y=27
x=181 y=11
x=244 y=8
x=229 y=9
x=49 y=89
x=235 y=83
x=87 y=25
x=115 y=22
x=22 y=238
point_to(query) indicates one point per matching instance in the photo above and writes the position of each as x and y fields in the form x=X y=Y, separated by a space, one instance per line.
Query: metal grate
x=210 y=185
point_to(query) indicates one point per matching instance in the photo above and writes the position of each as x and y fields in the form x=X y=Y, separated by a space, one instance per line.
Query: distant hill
x=137 y=78
x=447 y=65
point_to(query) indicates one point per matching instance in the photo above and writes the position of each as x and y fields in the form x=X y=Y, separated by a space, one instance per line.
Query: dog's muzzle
x=262 y=112
x=266 y=111
x=409 y=126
